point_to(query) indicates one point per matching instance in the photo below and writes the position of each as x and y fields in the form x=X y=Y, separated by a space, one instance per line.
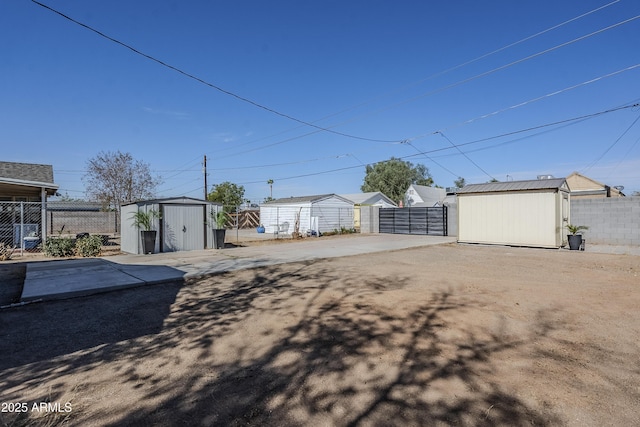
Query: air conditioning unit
x=545 y=176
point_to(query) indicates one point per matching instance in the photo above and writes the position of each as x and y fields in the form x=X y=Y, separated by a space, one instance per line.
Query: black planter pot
x=218 y=238
x=148 y=241
x=575 y=241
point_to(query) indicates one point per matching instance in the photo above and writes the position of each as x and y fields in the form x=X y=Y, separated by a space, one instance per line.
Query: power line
x=592 y=164
x=429 y=158
x=477 y=76
x=502 y=67
x=548 y=95
x=422 y=153
x=465 y=155
x=438 y=74
x=204 y=82
x=625 y=156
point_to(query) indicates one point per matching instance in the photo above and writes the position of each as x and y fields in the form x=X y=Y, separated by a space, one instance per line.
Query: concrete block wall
x=611 y=221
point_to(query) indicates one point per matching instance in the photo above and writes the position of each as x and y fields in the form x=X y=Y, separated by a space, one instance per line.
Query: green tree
x=227 y=193
x=394 y=176
x=460 y=182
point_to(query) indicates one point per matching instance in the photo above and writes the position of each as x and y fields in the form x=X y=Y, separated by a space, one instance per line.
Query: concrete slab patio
x=48 y=280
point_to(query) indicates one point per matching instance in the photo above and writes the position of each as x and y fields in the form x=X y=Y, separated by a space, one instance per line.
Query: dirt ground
x=441 y=335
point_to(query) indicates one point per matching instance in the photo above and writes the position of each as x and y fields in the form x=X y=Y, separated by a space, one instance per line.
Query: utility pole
x=205 y=176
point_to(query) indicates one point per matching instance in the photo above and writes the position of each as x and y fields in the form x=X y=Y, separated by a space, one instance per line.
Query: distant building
x=424 y=196
x=24 y=182
x=319 y=213
x=583 y=187
x=374 y=198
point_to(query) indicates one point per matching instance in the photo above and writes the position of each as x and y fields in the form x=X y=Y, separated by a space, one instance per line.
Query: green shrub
x=89 y=246
x=59 y=247
x=344 y=230
x=5 y=251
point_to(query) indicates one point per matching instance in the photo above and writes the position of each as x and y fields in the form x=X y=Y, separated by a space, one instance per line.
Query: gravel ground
x=441 y=335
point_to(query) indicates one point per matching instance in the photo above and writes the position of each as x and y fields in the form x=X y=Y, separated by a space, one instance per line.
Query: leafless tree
x=116 y=178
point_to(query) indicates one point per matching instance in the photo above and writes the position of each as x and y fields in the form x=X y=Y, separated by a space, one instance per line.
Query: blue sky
x=384 y=76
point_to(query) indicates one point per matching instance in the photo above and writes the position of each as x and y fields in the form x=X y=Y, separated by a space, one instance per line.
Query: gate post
x=445 y=221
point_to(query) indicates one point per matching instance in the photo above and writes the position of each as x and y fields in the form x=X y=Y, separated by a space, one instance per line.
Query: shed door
x=183 y=228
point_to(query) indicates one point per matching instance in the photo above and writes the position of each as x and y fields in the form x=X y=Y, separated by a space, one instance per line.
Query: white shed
x=322 y=213
x=520 y=213
x=185 y=224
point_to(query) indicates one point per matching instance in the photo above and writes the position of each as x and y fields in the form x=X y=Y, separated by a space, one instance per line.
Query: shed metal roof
x=529 y=185
x=178 y=200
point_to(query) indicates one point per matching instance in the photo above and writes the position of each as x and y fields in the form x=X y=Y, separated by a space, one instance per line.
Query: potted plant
x=144 y=221
x=260 y=228
x=219 y=230
x=575 y=239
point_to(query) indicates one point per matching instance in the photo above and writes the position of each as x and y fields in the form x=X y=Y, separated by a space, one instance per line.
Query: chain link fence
x=21 y=223
x=286 y=222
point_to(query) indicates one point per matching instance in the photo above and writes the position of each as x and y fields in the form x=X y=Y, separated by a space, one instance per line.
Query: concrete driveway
x=58 y=279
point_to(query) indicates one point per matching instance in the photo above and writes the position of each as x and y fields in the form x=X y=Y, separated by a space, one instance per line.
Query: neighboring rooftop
x=26 y=179
x=367 y=198
x=27 y=172
x=584 y=187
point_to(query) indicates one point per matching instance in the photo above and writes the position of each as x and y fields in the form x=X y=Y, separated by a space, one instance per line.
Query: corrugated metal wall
x=130 y=240
x=324 y=215
x=183 y=227
x=186 y=225
x=273 y=216
x=332 y=214
x=129 y=235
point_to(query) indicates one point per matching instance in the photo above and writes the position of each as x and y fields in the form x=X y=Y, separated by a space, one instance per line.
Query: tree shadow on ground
x=292 y=345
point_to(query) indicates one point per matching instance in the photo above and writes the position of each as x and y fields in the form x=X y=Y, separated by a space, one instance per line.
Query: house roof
x=305 y=199
x=27 y=172
x=581 y=184
x=367 y=198
x=23 y=178
x=426 y=192
x=534 y=184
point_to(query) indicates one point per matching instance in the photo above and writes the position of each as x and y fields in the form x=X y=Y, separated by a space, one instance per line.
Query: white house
x=321 y=213
x=423 y=196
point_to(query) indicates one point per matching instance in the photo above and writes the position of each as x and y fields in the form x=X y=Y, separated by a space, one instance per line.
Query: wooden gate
x=245 y=219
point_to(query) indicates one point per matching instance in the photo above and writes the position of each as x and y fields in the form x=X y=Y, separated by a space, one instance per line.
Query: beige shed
x=519 y=213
